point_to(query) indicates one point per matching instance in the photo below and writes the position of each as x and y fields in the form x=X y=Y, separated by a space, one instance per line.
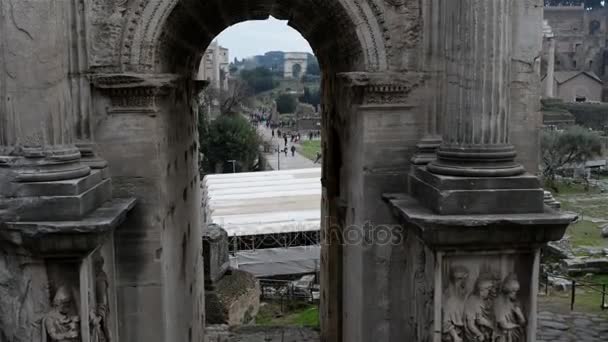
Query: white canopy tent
x=259 y=204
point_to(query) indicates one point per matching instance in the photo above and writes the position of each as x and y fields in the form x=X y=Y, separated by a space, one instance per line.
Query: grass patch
x=292 y=314
x=310 y=148
x=586 y=233
x=587 y=299
x=571 y=188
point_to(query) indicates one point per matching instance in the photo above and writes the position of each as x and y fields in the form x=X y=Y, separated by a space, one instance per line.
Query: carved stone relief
x=100 y=309
x=484 y=300
x=61 y=324
x=386 y=94
x=107 y=23
x=134 y=93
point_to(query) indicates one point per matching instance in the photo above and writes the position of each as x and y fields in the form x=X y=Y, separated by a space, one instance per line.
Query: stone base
x=55 y=200
x=68 y=238
x=450 y=195
x=465 y=267
x=426 y=150
x=478 y=231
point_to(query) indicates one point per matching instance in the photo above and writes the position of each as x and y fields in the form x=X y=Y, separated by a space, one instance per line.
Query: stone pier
x=474 y=220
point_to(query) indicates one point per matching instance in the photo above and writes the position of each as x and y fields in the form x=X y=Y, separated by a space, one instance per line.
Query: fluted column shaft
x=477 y=43
x=550 y=67
x=36 y=117
x=432 y=64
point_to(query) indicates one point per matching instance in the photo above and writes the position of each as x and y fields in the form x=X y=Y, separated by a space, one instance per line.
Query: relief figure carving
x=60 y=325
x=453 y=313
x=510 y=319
x=489 y=312
x=99 y=315
x=478 y=311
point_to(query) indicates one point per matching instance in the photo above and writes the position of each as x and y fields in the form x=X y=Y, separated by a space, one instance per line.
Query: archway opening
x=296 y=71
x=179 y=44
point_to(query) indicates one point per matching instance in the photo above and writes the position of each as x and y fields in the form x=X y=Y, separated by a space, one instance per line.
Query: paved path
x=571 y=327
x=288 y=162
x=221 y=333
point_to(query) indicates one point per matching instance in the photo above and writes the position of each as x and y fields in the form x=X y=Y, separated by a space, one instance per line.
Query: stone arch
x=155 y=26
x=296 y=70
x=160 y=48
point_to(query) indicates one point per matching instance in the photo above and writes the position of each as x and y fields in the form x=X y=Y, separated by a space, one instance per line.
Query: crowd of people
x=261 y=118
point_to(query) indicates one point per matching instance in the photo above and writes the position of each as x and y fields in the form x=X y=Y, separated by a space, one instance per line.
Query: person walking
x=285 y=138
x=318 y=158
x=293 y=151
x=273 y=132
x=285 y=150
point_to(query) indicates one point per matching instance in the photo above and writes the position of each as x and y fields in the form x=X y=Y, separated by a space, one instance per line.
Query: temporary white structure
x=263 y=205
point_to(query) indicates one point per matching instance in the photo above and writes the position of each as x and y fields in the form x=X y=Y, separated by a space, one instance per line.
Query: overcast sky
x=252 y=38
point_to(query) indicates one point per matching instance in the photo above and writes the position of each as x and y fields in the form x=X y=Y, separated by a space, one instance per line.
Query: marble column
x=549 y=80
x=433 y=65
x=475 y=127
x=36 y=120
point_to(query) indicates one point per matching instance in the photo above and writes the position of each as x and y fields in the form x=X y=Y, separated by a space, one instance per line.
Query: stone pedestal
x=57 y=218
x=215 y=254
x=474 y=277
x=231 y=296
x=474 y=220
x=453 y=195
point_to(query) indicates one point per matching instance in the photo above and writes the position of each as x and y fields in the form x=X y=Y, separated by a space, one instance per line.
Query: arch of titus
x=430 y=122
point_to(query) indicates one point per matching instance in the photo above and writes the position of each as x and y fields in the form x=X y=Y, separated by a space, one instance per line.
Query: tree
x=286 y=103
x=313 y=68
x=229 y=137
x=312 y=97
x=227 y=100
x=259 y=79
x=572 y=147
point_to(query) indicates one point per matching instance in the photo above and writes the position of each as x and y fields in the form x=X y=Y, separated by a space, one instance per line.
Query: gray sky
x=252 y=38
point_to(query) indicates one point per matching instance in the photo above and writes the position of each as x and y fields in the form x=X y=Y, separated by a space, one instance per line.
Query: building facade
x=580 y=41
x=214 y=66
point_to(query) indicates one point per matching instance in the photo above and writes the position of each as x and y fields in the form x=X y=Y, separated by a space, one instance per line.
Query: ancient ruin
x=99 y=161
x=295 y=64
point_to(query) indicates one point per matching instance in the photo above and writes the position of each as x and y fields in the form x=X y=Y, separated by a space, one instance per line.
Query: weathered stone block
x=449 y=195
x=71 y=187
x=215 y=254
x=57 y=208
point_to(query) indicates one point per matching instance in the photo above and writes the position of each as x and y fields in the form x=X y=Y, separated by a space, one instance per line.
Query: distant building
x=295 y=64
x=214 y=66
x=576 y=86
x=578 y=42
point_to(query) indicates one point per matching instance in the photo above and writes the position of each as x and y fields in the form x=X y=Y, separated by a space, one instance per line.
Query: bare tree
x=227 y=100
x=572 y=147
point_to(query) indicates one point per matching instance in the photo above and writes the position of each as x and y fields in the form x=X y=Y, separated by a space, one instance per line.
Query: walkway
x=571 y=327
x=288 y=162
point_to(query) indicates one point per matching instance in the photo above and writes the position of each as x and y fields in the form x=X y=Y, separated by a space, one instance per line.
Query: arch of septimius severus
x=426 y=103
